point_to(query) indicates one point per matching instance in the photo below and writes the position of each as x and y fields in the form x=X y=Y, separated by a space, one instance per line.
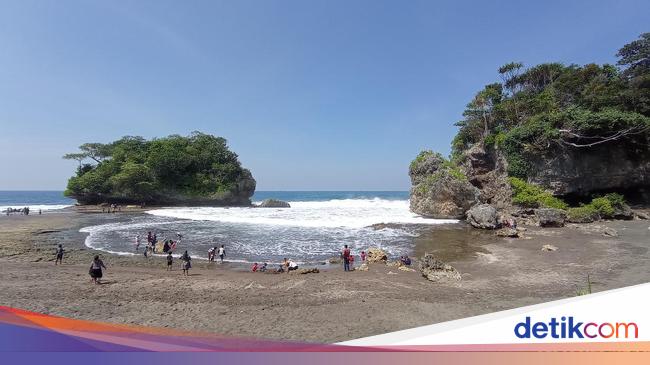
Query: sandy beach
x=330 y=306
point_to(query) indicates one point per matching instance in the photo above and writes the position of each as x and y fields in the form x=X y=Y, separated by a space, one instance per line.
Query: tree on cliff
x=180 y=169
x=552 y=104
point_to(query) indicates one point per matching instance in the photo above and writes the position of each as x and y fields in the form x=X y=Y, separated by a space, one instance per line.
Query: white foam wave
x=350 y=213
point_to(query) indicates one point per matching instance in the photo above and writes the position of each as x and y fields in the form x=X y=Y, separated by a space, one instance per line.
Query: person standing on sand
x=96 y=269
x=363 y=256
x=59 y=255
x=137 y=241
x=346 y=258
x=187 y=263
x=222 y=253
x=211 y=254
x=170 y=261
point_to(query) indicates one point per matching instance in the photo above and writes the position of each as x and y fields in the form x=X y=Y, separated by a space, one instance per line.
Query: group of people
x=213 y=251
x=169 y=245
x=112 y=208
x=21 y=211
x=287 y=265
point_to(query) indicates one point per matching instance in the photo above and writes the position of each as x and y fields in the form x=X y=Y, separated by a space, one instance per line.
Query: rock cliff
x=440 y=190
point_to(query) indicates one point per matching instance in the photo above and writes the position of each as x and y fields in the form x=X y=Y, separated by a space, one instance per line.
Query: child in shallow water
x=170 y=261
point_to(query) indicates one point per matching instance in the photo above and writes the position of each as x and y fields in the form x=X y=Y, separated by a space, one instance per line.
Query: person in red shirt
x=346 y=258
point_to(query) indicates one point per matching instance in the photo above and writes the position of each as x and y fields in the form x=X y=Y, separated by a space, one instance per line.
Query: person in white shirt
x=222 y=253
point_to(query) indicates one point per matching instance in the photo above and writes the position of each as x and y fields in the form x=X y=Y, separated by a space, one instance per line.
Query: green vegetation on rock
x=555 y=105
x=532 y=196
x=175 y=169
x=599 y=207
x=421 y=157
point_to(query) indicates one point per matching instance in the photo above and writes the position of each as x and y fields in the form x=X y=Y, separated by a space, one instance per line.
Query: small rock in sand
x=392 y=273
x=362 y=267
x=436 y=270
x=610 y=232
x=507 y=232
x=376 y=255
x=335 y=260
x=405 y=268
x=642 y=215
x=549 y=248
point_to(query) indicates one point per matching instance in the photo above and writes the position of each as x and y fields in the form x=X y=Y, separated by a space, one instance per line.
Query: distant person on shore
x=137 y=241
x=170 y=261
x=291 y=266
x=149 y=237
x=263 y=267
x=59 y=255
x=222 y=253
x=187 y=263
x=40 y=212
x=96 y=269
x=166 y=246
x=211 y=253
x=363 y=256
x=405 y=260
x=254 y=268
x=179 y=236
x=346 y=258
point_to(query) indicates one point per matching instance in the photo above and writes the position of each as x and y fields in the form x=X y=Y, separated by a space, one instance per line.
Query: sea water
x=35 y=200
x=314 y=229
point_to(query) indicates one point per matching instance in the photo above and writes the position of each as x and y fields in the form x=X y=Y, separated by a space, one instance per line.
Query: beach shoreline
x=330 y=306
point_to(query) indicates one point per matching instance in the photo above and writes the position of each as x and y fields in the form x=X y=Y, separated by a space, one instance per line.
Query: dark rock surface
x=550 y=217
x=482 y=216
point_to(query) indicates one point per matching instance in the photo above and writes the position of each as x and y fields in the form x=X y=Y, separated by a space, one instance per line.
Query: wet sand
x=330 y=306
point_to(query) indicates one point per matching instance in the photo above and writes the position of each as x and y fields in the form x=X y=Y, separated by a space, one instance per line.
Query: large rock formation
x=486 y=169
x=436 y=270
x=549 y=217
x=581 y=172
x=239 y=195
x=438 y=189
x=482 y=216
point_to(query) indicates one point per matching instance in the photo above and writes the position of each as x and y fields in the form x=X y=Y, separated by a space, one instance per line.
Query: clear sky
x=312 y=95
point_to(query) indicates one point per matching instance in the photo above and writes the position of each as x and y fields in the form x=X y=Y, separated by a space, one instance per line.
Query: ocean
x=35 y=200
x=315 y=228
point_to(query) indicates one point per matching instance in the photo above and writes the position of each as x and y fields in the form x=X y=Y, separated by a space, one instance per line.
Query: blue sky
x=312 y=95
